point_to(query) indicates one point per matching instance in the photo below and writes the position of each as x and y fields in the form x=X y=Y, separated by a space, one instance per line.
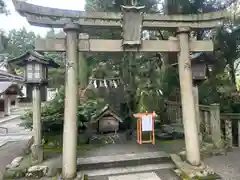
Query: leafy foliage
x=52 y=114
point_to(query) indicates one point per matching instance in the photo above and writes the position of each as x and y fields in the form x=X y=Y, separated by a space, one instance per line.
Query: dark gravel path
x=228 y=167
x=10 y=151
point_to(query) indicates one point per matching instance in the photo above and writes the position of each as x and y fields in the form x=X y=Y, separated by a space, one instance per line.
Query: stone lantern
x=36 y=67
x=202 y=65
x=35 y=72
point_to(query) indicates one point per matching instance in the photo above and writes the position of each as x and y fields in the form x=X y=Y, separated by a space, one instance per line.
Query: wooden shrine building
x=106 y=121
x=9 y=91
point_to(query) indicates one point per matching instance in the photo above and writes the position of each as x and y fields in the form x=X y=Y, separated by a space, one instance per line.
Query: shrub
x=52 y=114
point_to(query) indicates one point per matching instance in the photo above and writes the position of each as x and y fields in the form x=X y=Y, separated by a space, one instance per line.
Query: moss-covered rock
x=20 y=171
x=189 y=172
x=37 y=171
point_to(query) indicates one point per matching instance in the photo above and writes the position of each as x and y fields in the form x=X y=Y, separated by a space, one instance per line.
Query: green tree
x=135 y=70
x=19 y=41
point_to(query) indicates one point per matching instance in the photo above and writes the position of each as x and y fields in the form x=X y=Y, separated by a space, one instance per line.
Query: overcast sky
x=14 y=20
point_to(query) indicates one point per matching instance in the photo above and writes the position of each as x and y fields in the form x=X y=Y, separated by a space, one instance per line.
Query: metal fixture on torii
x=132 y=21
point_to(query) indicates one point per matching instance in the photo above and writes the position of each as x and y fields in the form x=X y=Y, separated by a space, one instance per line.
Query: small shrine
x=106 y=121
x=9 y=91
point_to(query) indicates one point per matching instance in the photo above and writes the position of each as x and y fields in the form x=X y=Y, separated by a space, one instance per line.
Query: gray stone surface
x=227 y=166
x=9 y=151
x=9 y=118
x=14 y=143
x=124 y=170
x=120 y=157
x=138 y=176
x=15 y=132
x=163 y=174
x=127 y=148
x=167 y=174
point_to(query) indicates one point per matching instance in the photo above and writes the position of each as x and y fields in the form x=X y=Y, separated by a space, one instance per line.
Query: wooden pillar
x=7 y=105
x=37 y=147
x=188 y=105
x=69 y=165
x=215 y=124
x=16 y=102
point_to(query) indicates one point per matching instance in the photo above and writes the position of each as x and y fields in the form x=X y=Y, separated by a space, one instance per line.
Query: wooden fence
x=213 y=126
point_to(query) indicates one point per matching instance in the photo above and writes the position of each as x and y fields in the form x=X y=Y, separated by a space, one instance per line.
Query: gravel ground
x=228 y=167
x=9 y=151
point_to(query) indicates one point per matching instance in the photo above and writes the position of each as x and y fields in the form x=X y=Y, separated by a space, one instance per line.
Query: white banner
x=147 y=123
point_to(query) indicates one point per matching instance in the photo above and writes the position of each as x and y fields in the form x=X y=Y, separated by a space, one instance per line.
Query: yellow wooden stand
x=139 y=117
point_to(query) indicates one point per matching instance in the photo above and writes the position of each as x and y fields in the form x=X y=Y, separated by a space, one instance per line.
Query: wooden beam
x=57 y=18
x=44 y=21
x=24 y=7
x=99 y=45
x=98 y=23
x=28 y=8
x=219 y=15
x=193 y=25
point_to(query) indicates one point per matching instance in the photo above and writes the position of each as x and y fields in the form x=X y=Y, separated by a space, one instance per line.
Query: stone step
x=123 y=160
x=18 y=112
x=125 y=170
x=15 y=135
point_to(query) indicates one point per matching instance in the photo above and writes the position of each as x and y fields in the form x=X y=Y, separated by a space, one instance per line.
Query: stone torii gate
x=132 y=22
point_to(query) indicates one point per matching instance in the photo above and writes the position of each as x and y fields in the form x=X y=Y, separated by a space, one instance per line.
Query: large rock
x=171 y=131
x=15 y=162
x=37 y=171
x=193 y=172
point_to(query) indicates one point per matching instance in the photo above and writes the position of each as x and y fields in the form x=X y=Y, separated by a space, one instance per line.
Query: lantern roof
x=31 y=56
x=201 y=57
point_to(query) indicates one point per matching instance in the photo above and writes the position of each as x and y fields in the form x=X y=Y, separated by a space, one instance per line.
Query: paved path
x=15 y=132
x=163 y=174
x=13 y=143
x=9 y=151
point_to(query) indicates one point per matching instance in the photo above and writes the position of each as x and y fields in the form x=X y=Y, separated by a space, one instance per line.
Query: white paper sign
x=147 y=123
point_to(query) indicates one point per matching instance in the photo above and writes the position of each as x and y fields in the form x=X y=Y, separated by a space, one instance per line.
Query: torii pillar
x=69 y=164
x=187 y=99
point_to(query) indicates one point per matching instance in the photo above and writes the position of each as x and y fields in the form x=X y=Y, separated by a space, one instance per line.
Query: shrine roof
x=23 y=59
x=202 y=57
x=5 y=76
x=11 y=87
x=106 y=110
